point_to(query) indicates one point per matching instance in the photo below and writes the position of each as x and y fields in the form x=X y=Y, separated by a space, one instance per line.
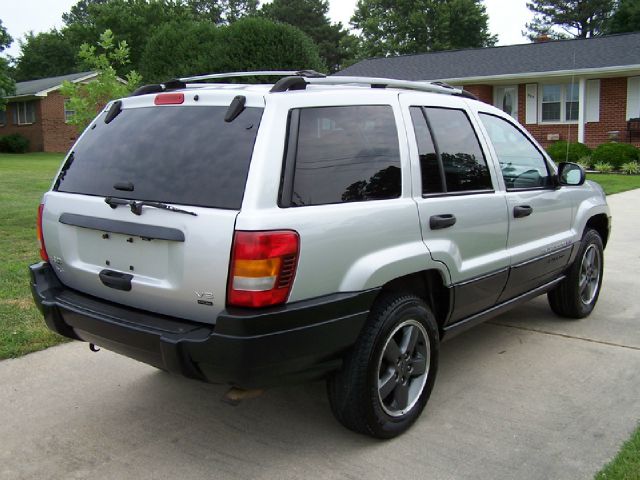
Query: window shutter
x=532 y=103
x=593 y=101
x=633 y=97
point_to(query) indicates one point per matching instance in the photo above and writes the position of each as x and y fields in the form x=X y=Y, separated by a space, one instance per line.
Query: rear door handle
x=436 y=222
x=522 y=211
x=117 y=280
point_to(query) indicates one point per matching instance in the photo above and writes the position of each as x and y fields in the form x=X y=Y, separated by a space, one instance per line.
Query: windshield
x=172 y=154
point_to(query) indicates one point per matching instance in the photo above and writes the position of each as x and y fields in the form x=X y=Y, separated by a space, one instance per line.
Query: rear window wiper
x=136 y=205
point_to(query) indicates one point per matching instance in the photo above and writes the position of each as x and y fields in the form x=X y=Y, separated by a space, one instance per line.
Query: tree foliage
x=568 y=18
x=260 y=44
x=86 y=99
x=130 y=20
x=180 y=49
x=311 y=16
x=626 y=18
x=417 y=26
x=7 y=85
x=45 y=54
x=222 y=11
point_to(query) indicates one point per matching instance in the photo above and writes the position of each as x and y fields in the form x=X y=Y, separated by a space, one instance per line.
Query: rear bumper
x=245 y=348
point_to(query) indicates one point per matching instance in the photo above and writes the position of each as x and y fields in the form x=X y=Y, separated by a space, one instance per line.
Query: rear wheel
x=576 y=295
x=387 y=379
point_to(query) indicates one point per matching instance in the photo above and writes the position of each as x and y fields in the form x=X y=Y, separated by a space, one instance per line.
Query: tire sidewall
x=385 y=425
x=590 y=238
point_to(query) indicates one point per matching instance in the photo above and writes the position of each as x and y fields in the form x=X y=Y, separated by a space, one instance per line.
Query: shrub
x=576 y=150
x=615 y=154
x=631 y=168
x=585 y=162
x=14 y=143
x=603 y=167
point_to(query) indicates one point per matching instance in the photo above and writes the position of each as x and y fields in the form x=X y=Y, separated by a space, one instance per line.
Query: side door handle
x=522 y=211
x=436 y=222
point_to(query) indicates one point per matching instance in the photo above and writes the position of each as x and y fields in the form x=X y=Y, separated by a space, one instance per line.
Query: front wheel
x=387 y=379
x=576 y=295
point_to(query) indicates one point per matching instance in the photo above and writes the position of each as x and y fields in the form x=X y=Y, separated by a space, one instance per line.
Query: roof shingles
x=578 y=54
x=32 y=87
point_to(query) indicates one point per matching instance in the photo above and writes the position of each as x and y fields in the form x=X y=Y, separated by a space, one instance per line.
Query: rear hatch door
x=103 y=230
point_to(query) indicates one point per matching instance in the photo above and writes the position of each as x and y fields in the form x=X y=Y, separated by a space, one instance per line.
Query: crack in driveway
x=564 y=335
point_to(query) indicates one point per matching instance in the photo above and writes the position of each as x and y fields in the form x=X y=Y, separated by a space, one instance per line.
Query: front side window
x=522 y=165
x=343 y=154
x=560 y=103
x=24 y=113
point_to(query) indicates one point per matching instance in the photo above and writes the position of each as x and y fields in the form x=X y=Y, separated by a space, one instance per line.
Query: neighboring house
x=583 y=89
x=38 y=112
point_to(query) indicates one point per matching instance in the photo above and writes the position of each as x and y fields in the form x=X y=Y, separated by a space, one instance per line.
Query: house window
x=68 y=113
x=3 y=117
x=560 y=103
x=24 y=113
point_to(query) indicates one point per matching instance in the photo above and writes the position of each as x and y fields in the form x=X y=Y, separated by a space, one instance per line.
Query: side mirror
x=571 y=174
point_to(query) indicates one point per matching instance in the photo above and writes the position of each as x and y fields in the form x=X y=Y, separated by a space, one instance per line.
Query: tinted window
x=429 y=167
x=522 y=165
x=173 y=154
x=465 y=167
x=346 y=154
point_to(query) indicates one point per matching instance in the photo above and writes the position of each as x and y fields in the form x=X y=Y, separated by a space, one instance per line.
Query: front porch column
x=582 y=108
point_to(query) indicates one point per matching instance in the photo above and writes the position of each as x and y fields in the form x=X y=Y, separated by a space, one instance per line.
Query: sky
x=506 y=17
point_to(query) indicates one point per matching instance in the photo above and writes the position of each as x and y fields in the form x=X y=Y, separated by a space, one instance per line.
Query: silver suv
x=320 y=227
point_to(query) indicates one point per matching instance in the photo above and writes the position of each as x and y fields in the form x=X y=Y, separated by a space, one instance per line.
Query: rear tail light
x=43 y=250
x=263 y=266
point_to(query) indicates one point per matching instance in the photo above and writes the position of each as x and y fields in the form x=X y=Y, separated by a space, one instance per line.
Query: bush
x=14 y=143
x=585 y=162
x=558 y=151
x=616 y=154
x=631 y=168
x=603 y=167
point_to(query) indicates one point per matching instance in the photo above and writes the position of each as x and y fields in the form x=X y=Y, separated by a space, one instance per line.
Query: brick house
x=584 y=89
x=38 y=112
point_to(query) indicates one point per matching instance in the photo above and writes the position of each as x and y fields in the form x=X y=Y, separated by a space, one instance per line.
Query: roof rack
x=262 y=73
x=297 y=83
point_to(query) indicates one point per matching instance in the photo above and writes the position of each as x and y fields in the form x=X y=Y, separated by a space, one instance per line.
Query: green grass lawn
x=626 y=465
x=613 y=183
x=23 y=180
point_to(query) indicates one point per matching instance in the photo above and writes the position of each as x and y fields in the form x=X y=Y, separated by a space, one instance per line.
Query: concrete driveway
x=527 y=395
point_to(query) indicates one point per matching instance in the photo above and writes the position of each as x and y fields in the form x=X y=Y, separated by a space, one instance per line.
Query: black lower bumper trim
x=245 y=348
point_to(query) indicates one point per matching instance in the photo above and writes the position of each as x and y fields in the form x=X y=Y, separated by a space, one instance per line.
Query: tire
x=577 y=295
x=398 y=350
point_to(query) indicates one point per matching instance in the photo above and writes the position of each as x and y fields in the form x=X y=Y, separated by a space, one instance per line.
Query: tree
x=311 y=16
x=45 y=54
x=568 y=18
x=260 y=44
x=7 y=85
x=86 y=99
x=626 y=17
x=180 y=49
x=133 y=20
x=417 y=26
x=222 y=11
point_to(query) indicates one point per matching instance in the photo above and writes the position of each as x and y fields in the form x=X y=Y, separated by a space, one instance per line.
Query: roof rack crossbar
x=261 y=73
x=387 y=82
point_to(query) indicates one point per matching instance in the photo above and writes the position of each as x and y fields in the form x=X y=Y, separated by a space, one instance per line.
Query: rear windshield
x=172 y=154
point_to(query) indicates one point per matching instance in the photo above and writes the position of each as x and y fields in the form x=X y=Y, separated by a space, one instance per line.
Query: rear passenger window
x=429 y=165
x=464 y=165
x=343 y=154
x=522 y=165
